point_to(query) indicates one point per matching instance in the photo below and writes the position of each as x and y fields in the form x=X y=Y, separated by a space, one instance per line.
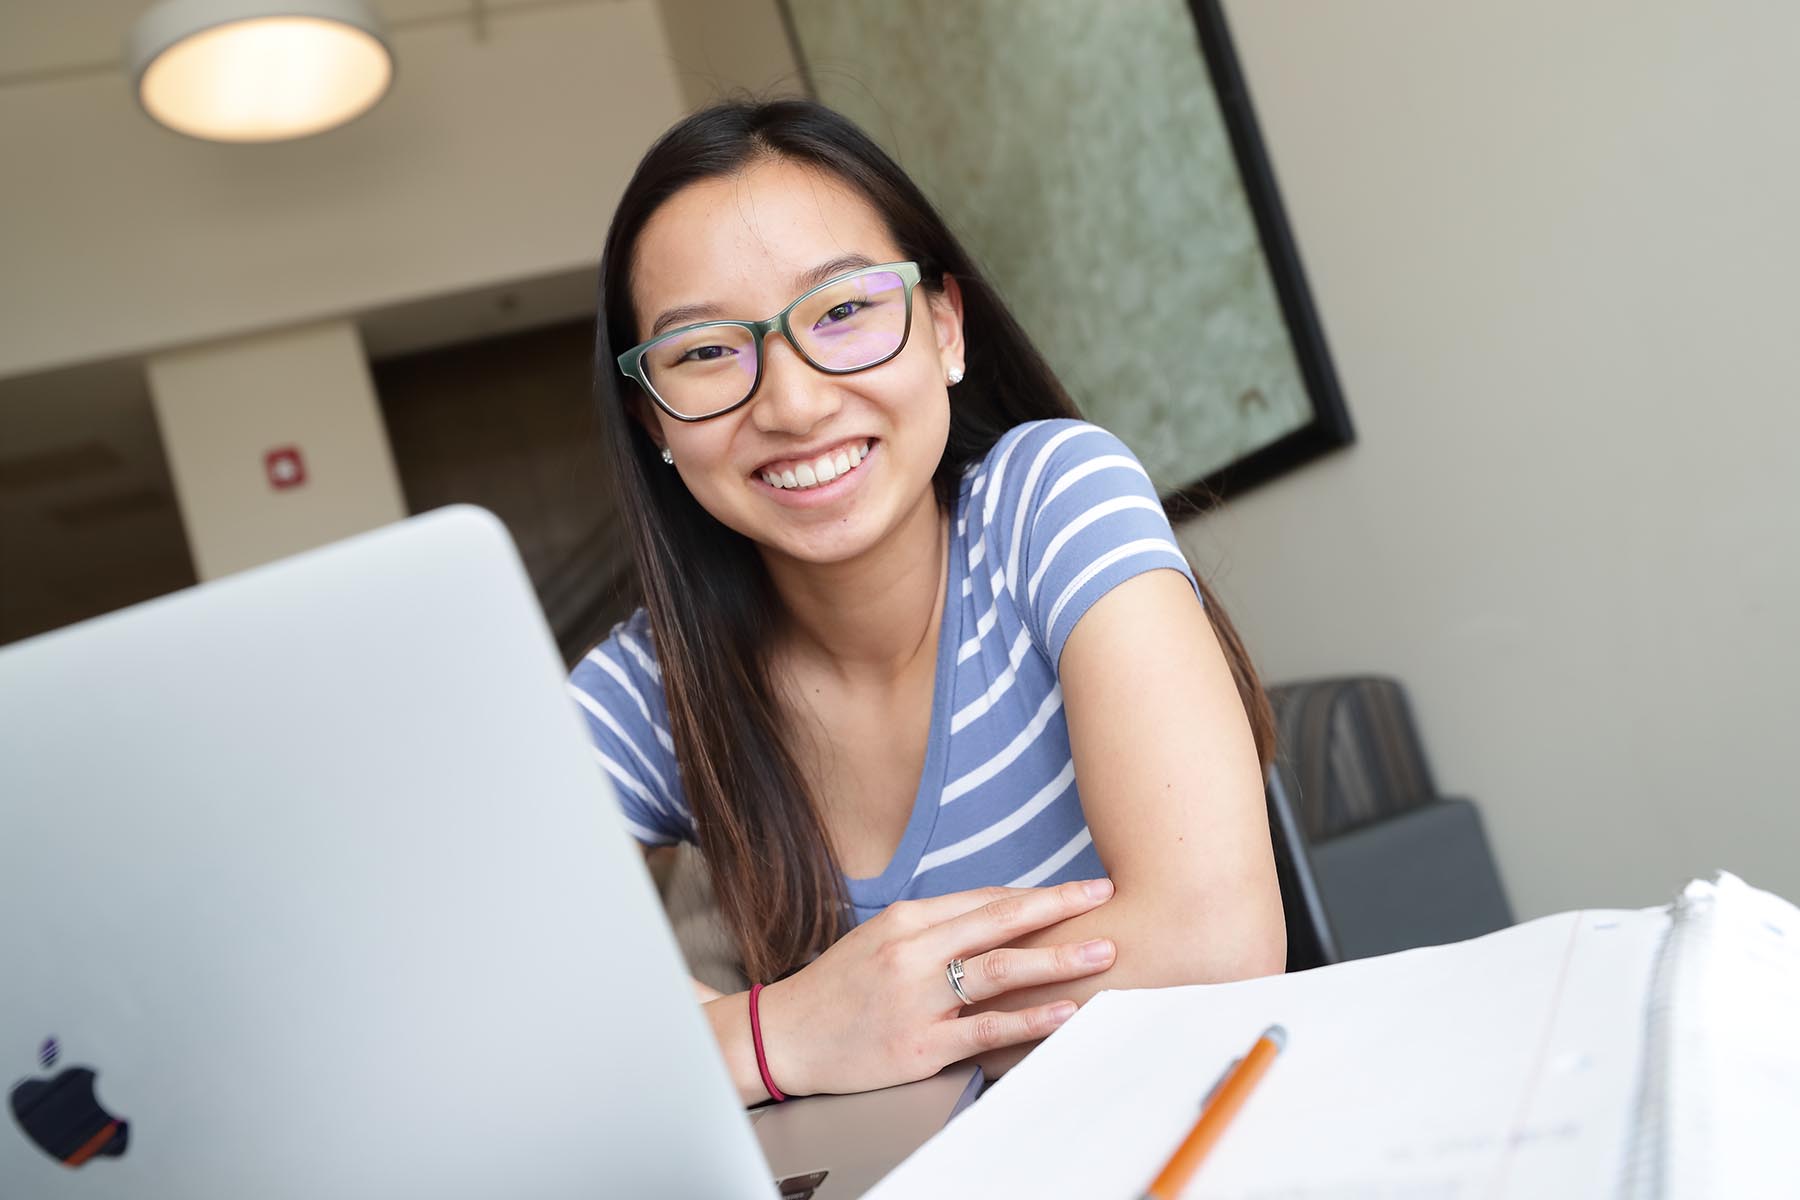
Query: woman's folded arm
x=1172 y=792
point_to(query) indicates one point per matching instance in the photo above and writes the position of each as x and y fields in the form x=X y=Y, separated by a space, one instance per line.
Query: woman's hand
x=876 y=1008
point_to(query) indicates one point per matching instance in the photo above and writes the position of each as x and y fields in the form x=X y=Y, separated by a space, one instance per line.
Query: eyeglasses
x=851 y=323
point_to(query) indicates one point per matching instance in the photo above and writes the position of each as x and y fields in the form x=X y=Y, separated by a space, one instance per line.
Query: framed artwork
x=1103 y=164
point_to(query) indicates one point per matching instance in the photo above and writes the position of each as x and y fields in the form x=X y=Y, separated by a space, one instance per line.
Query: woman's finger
x=1007 y=918
x=999 y=971
x=993 y=1030
x=935 y=910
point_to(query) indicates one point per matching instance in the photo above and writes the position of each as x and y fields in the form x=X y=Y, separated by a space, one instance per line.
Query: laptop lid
x=312 y=887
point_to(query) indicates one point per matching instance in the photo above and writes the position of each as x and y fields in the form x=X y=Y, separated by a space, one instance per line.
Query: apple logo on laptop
x=62 y=1117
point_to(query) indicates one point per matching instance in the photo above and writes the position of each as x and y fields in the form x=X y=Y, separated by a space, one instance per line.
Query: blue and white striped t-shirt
x=1055 y=516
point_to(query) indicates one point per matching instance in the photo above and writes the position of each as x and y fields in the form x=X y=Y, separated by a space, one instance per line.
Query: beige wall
x=223 y=406
x=1555 y=249
x=491 y=160
x=721 y=47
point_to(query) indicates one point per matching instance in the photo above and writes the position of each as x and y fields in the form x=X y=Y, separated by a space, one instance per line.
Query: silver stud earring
x=955 y=376
x=668 y=456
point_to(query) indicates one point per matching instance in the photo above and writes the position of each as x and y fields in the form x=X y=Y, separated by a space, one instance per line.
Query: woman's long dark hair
x=712 y=611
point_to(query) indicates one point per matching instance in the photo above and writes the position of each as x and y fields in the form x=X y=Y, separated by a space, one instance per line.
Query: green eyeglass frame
x=631 y=362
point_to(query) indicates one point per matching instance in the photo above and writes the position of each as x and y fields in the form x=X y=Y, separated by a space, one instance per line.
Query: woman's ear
x=946 y=307
x=644 y=413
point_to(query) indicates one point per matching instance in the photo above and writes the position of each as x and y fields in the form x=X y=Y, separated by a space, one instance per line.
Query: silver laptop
x=312 y=887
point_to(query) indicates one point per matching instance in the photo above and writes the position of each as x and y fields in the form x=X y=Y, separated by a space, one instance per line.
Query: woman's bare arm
x=1173 y=794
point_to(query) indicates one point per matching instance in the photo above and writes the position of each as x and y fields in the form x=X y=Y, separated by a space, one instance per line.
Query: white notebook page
x=1479 y=1069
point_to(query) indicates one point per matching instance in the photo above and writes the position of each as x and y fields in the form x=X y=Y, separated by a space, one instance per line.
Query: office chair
x=1369 y=858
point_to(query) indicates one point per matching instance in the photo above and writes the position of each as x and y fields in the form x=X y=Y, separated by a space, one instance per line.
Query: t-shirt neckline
x=878 y=891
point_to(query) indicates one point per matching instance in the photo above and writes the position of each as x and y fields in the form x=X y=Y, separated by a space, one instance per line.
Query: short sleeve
x=1078 y=516
x=618 y=687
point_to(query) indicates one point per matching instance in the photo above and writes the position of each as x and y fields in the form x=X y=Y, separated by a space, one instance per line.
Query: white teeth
x=821 y=470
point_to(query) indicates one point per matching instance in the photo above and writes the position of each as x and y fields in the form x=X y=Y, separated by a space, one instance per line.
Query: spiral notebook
x=1641 y=1054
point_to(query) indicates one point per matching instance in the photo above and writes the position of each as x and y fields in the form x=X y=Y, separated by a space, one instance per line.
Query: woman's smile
x=817 y=479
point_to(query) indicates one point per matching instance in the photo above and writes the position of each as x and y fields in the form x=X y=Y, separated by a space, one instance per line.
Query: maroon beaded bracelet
x=762 y=1060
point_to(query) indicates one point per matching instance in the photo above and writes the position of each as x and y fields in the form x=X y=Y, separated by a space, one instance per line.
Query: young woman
x=920 y=666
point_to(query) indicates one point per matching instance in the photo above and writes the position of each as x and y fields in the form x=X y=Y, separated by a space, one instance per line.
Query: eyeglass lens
x=853 y=322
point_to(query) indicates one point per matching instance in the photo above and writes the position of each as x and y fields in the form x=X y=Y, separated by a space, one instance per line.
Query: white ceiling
x=55 y=35
x=107 y=403
x=484 y=312
x=40 y=38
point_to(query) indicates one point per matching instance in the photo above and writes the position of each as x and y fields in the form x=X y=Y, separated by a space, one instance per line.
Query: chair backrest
x=1352 y=750
x=1311 y=940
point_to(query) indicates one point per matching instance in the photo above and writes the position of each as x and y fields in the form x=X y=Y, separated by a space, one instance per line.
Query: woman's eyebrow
x=803 y=282
x=683 y=315
x=807 y=280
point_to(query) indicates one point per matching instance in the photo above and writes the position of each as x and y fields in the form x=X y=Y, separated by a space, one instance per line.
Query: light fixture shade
x=258 y=70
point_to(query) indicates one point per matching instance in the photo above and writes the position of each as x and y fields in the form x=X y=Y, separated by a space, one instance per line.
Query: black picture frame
x=1330 y=427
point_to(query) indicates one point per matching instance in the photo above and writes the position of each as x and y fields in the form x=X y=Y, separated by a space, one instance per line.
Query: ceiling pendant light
x=258 y=70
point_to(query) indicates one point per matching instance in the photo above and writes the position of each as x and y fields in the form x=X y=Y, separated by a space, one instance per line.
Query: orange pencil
x=1220 y=1108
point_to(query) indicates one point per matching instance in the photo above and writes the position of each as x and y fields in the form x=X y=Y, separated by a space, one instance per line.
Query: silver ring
x=954 y=973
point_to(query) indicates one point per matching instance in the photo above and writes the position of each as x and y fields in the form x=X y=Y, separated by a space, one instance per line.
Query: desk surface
x=860 y=1138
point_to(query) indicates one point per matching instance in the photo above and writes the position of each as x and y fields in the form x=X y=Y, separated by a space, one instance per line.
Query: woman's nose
x=792 y=397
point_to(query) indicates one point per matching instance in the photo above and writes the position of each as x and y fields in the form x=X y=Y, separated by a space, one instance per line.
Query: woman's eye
x=842 y=312
x=705 y=353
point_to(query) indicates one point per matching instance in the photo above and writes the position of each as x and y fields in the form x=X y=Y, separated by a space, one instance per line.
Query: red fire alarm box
x=285 y=467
